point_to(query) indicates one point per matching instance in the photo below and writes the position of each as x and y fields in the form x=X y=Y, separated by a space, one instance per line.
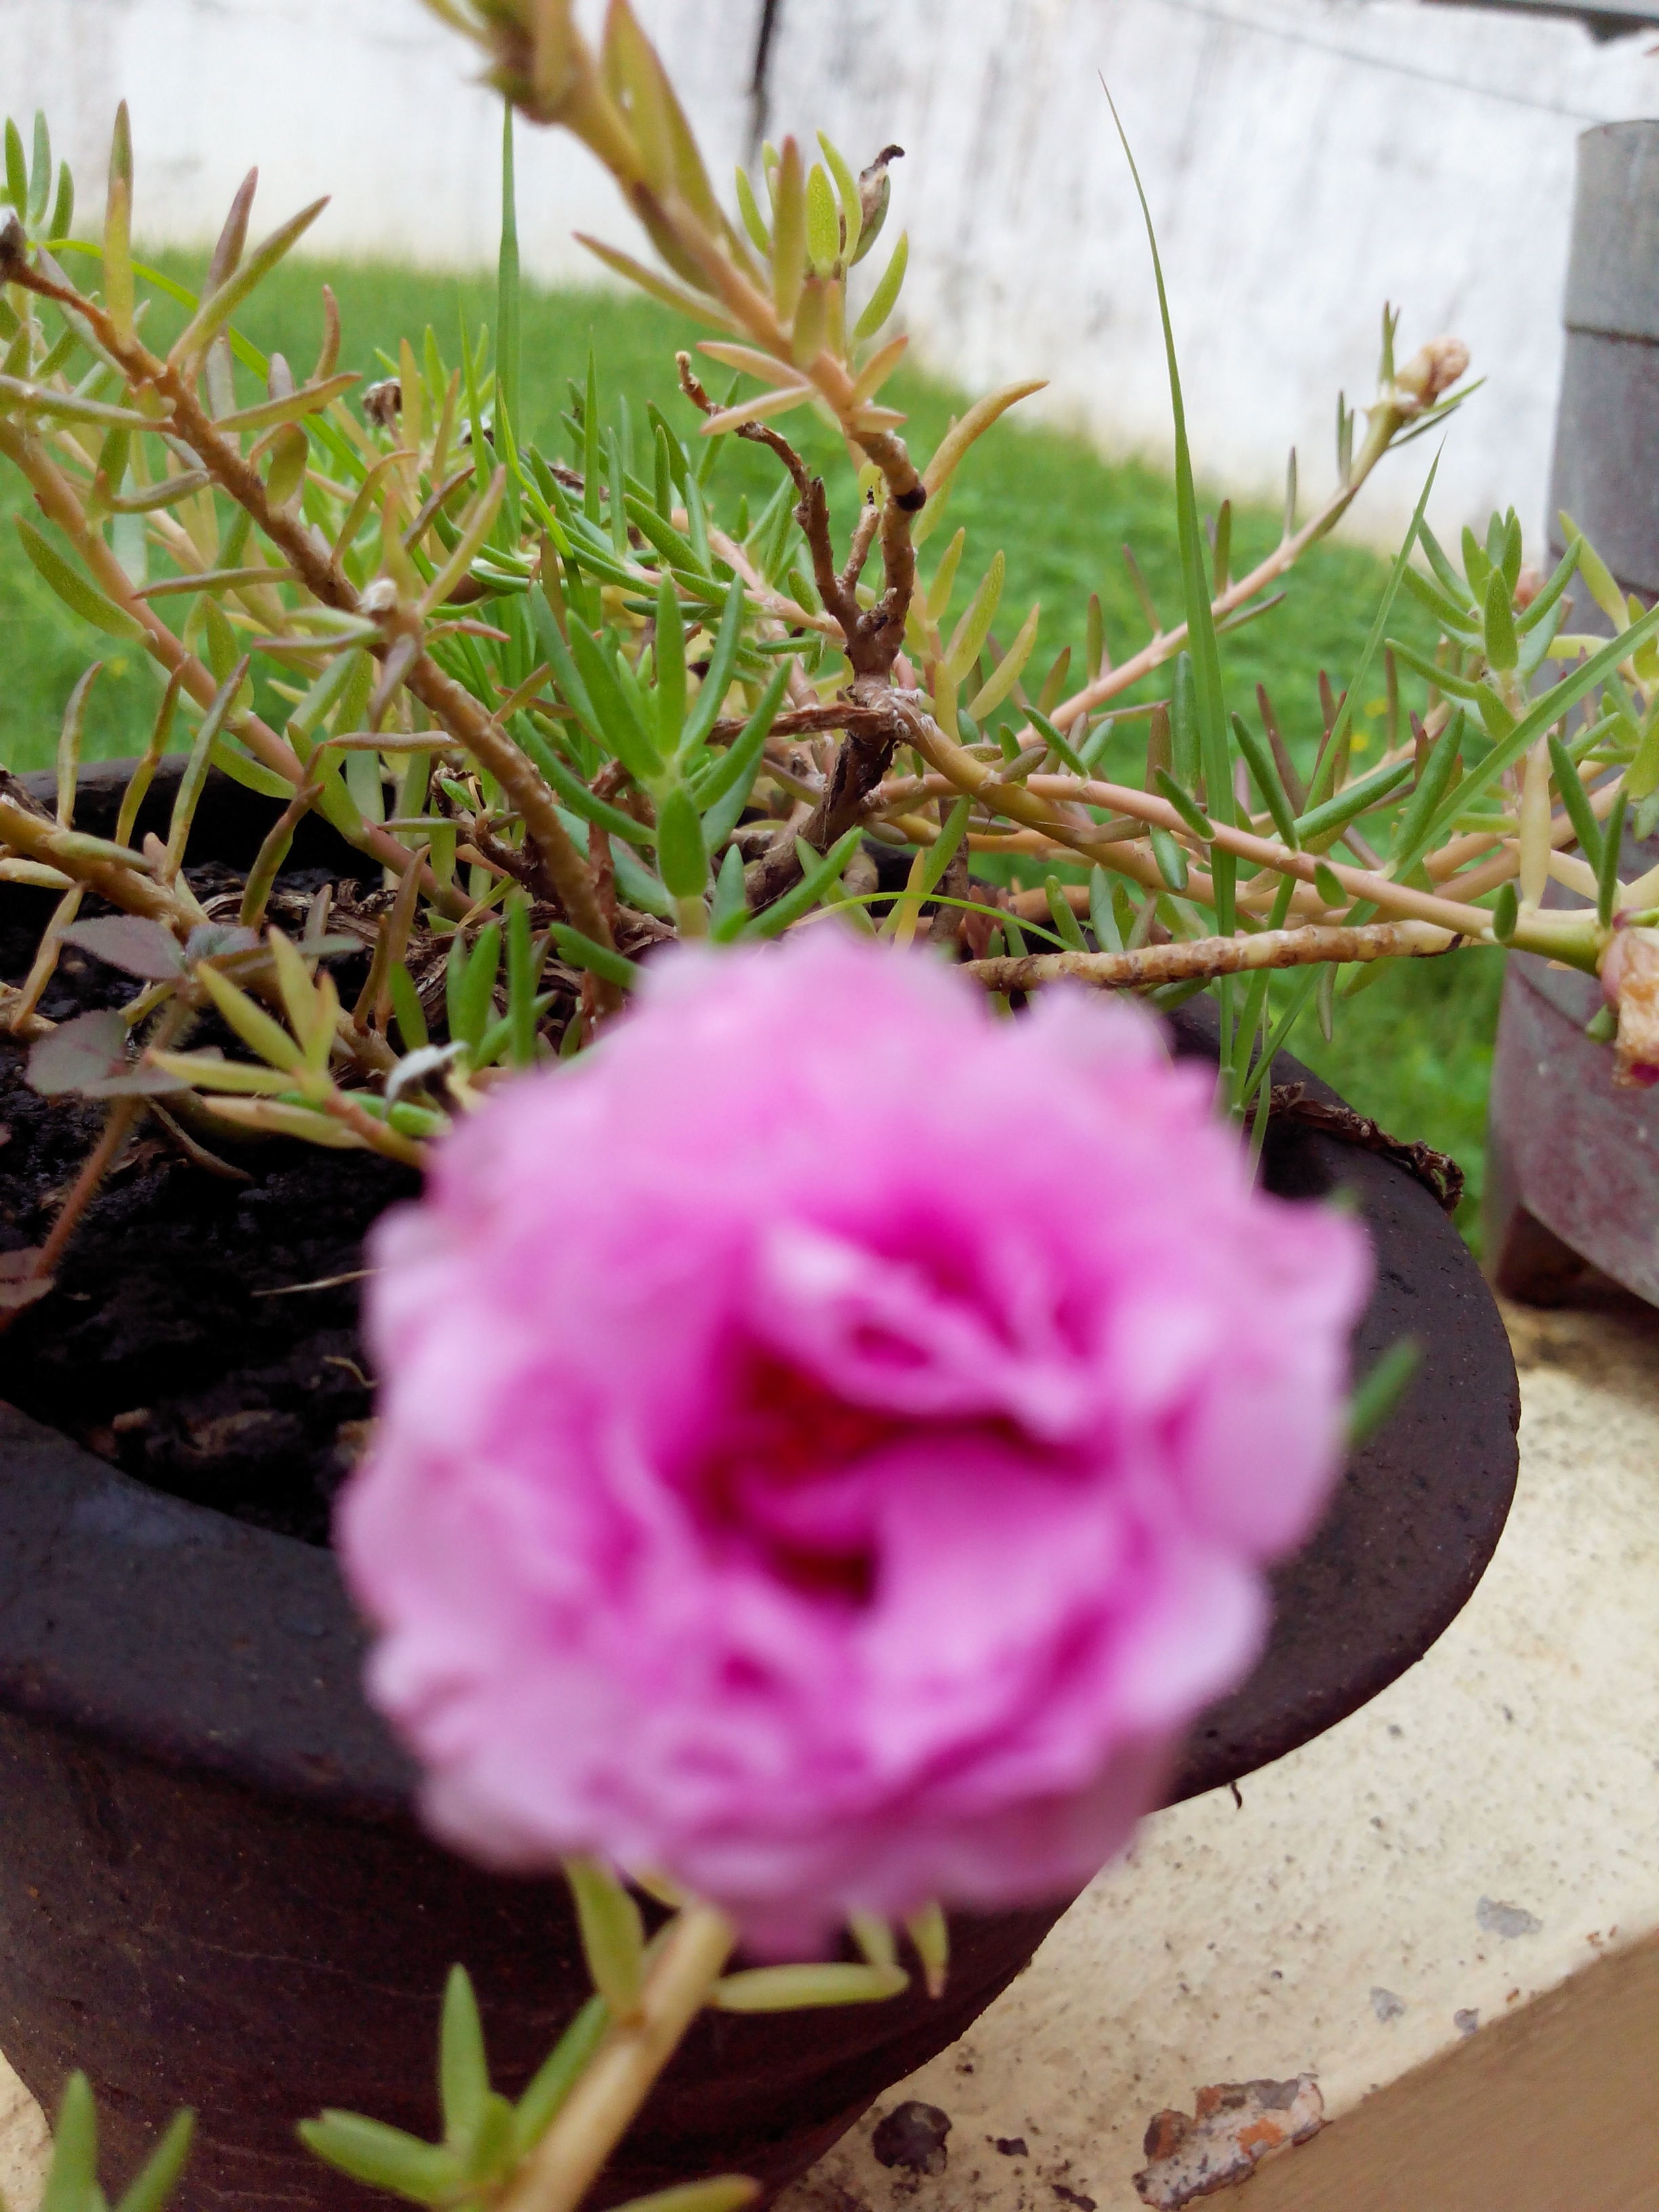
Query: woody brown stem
x=1217 y=956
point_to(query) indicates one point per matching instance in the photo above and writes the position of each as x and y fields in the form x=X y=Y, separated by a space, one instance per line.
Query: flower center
x=785 y=1476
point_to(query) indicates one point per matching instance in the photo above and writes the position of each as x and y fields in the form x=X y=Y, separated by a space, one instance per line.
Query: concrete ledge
x=1442 y=1914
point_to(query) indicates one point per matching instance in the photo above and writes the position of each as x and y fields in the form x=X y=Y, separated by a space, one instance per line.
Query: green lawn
x=1413 y=1049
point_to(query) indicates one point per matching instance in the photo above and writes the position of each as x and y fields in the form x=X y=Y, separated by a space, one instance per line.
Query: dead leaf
x=18 y=1287
x=128 y=942
x=88 y=1056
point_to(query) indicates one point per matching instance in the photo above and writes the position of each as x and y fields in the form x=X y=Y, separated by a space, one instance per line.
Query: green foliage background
x=1414 y=1048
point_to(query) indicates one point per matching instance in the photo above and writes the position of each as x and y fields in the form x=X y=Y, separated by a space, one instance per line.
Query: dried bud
x=383 y=402
x=1630 y=983
x=1528 y=584
x=1432 y=370
x=875 y=188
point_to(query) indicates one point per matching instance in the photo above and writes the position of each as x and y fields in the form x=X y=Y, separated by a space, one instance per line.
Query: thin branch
x=561 y=2168
x=1217 y=956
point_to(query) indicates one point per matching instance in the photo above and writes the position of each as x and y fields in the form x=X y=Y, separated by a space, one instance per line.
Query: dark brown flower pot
x=212 y=1890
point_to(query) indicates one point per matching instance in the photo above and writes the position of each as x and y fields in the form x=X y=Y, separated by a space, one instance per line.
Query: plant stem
x=118 y=1124
x=1216 y=956
x=562 y=2167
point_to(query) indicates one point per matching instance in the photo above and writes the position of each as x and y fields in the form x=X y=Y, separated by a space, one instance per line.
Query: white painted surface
x=1517 y=1763
x=1305 y=160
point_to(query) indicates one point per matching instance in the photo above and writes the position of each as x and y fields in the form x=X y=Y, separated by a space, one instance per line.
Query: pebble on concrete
x=913 y=2136
x=1234 y=2126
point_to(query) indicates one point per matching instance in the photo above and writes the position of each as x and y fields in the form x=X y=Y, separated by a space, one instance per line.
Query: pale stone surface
x=23 y=2143
x=1480 y=1832
x=1305 y=160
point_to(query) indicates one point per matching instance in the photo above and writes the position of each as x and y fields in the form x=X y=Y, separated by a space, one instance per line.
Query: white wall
x=1305 y=160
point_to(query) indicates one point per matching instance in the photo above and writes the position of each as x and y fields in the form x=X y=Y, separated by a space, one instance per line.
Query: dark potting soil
x=176 y=1343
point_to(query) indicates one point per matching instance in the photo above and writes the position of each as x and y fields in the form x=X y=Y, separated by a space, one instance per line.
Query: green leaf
x=218 y=309
x=974 y=627
x=39 y=169
x=1192 y=816
x=1451 y=583
x=753 y=222
x=1642 y=776
x=1548 y=710
x=721 y=2192
x=508 y=318
x=705 y=710
x=1321 y=826
x=847 y=191
x=63 y=213
x=671 y=669
x=158 y=2176
x=1598 y=577
x=1391 y=592
x=578 y=797
x=803 y=897
x=1502 y=650
x=72 y=2178
x=196 y=767
x=822 y=222
x=930 y=1931
x=385 y=2158
x=559 y=2073
x=603 y=960
x=617 y=725
x=470 y=980
x=463 y=2067
x=1576 y=799
x=1060 y=908
x=1185 y=744
x=18 y=174
x=69 y=744
x=1194 y=569
x=1171 y=861
x=1566 y=568
x=681 y=861
x=943 y=850
x=1446 y=611
x=1264 y=768
x=612 y=1932
x=1410 y=838
x=884 y=298
x=1606 y=874
x=522 y=976
x=78 y=595
x=797 y=1989
x=406 y=1007
x=729 y=907
x=1455 y=687
x=1103 y=913
x=1381 y=1392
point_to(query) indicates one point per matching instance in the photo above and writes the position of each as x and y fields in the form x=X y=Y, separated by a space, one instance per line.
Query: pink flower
x=831 y=1438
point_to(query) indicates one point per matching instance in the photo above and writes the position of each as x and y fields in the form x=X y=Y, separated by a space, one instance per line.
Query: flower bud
x=875 y=189
x=1528 y=584
x=1432 y=370
x=1630 y=984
